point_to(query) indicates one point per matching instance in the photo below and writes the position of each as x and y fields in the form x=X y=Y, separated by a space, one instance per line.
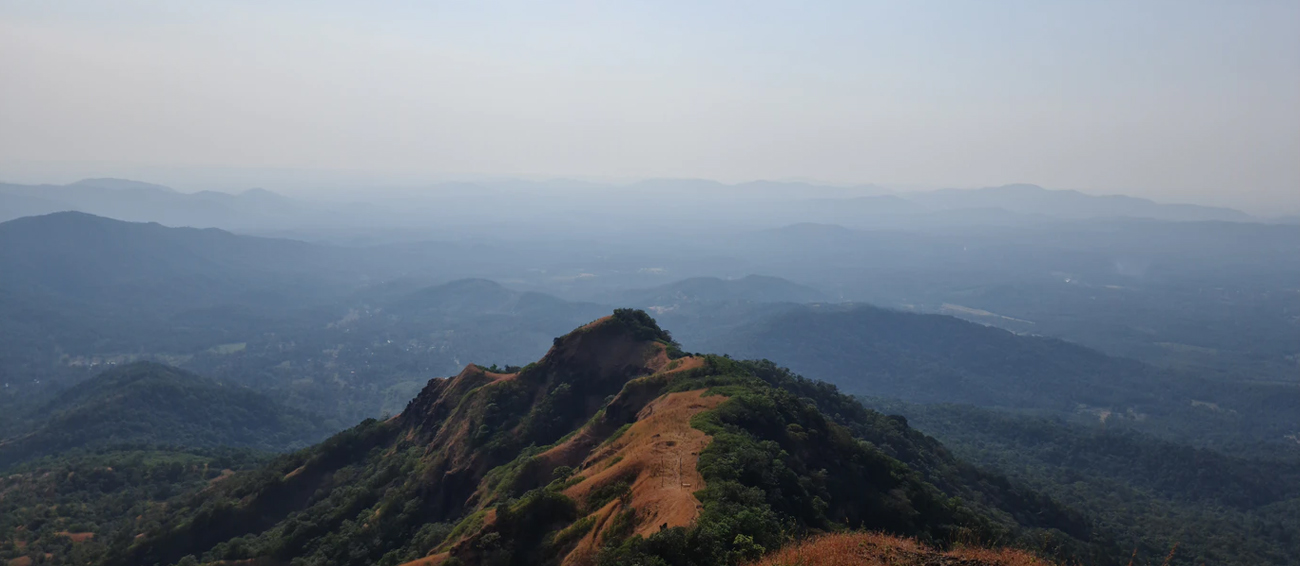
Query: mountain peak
x=604 y=451
x=628 y=342
x=594 y=360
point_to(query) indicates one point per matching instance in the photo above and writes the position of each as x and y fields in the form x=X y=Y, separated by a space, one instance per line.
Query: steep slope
x=151 y=404
x=613 y=448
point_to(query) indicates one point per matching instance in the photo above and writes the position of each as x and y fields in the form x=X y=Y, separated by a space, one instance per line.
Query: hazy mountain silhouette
x=1033 y=199
x=750 y=288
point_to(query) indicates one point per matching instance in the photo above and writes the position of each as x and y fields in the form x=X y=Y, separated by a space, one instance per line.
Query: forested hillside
x=925 y=358
x=614 y=448
x=67 y=509
x=147 y=404
x=1152 y=493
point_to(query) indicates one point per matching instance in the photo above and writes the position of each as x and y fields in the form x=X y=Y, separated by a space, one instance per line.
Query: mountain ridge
x=1033 y=199
x=562 y=462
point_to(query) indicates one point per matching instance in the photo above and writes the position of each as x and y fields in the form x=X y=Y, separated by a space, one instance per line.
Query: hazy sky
x=1180 y=100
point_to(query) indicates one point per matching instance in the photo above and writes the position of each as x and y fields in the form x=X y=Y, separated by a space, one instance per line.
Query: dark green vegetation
x=792 y=457
x=465 y=469
x=939 y=359
x=1152 y=493
x=1211 y=309
x=150 y=404
x=71 y=506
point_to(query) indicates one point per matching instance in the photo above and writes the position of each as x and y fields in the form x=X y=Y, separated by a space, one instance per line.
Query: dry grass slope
x=875 y=549
x=658 y=457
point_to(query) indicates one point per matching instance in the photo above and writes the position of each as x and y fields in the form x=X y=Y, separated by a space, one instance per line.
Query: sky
x=1191 y=101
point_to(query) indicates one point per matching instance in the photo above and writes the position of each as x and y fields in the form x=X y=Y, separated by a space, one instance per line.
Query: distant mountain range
x=144 y=202
x=616 y=445
x=77 y=288
x=1033 y=199
x=91 y=258
x=541 y=205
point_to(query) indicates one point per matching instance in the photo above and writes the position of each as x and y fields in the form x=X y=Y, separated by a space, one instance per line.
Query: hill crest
x=147 y=403
x=614 y=447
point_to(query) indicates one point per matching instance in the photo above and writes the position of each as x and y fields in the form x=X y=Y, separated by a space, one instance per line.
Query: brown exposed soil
x=631 y=400
x=224 y=474
x=500 y=376
x=657 y=457
x=595 y=323
x=595 y=362
x=21 y=561
x=431 y=560
x=663 y=364
x=76 y=537
x=875 y=549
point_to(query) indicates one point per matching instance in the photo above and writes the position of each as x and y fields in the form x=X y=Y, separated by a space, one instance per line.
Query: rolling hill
x=926 y=358
x=135 y=201
x=615 y=447
x=933 y=358
x=1164 y=492
x=94 y=260
x=151 y=404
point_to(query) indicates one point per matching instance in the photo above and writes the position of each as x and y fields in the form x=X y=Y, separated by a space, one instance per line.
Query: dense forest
x=151 y=404
x=924 y=358
x=1218 y=509
x=67 y=509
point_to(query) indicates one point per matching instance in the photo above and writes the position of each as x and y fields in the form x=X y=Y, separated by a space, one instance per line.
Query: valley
x=208 y=386
x=707 y=283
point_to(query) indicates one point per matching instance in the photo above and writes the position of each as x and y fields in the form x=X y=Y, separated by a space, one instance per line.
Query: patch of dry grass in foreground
x=876 y=549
